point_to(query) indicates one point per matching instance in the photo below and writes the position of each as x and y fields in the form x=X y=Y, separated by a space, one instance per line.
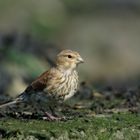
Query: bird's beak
x=80 y=60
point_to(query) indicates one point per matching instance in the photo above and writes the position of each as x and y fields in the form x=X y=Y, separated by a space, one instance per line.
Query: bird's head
x=68 y=59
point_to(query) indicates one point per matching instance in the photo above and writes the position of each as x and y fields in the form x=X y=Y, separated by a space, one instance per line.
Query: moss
x=117 y=126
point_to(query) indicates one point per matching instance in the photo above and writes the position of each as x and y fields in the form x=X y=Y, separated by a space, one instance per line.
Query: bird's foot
x=50 y=117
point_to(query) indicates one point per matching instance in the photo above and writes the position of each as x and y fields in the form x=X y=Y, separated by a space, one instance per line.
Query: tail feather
x=21 y=98
x=10 y=103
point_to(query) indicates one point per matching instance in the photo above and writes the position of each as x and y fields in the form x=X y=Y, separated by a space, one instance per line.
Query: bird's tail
x=9 y=103
x=21 y=98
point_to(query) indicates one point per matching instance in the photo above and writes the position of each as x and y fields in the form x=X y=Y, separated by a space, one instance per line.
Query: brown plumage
x=60 y=81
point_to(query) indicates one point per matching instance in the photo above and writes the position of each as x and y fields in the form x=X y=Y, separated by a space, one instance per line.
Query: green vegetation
x=27 y=62
x=114 y=127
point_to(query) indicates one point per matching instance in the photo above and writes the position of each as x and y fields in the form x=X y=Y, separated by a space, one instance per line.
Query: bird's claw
x=50 y=117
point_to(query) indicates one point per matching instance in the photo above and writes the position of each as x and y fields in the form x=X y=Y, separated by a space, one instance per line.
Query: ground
x=122 y=126
x=100 y=115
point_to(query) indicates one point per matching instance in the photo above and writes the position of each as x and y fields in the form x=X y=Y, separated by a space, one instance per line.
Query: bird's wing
x=39 y=84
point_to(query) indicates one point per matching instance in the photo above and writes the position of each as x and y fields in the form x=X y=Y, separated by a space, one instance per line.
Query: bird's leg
x=50 y=117
x=53 y=116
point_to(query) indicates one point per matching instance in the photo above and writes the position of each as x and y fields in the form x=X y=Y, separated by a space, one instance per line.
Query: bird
x=60 y=82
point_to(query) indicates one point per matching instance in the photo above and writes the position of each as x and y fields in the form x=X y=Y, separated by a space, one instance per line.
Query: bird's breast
x=65 y=85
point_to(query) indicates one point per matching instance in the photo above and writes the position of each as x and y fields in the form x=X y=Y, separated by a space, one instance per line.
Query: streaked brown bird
x=59 y=82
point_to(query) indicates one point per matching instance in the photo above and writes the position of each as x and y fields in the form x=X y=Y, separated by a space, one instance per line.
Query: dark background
x=106 y=33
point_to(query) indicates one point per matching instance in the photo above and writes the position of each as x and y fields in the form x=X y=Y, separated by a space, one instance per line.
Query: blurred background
x=105 y=32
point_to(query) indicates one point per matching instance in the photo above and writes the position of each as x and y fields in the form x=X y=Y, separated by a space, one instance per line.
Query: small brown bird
x=59 y=82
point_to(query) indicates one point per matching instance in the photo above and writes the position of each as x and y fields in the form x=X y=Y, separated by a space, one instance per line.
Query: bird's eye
x=69 y=56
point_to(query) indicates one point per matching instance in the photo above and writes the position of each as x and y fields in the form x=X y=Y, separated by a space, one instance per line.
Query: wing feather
x=39 y=84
